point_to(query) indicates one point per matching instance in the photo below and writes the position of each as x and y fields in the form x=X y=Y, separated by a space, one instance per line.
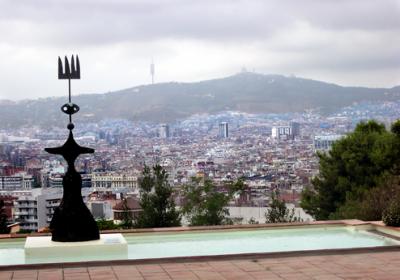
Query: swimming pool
x=218 y=242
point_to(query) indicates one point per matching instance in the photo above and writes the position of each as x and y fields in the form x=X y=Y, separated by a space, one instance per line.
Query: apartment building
x=21 y=181
x=111 y=180
x=35 y=209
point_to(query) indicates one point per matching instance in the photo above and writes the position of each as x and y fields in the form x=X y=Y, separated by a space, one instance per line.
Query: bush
x=278 y=212
x=24 y=231
x=106 y=224
x=391 y=216
x=252 y=221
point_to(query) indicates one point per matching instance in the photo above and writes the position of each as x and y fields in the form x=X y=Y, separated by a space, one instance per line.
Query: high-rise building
x=164 y=131
x=282 y=132
x=286 y=132
x=295 y=129
x=223 y=130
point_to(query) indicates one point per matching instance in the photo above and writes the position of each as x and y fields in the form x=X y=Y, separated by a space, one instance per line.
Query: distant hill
x=246 y=92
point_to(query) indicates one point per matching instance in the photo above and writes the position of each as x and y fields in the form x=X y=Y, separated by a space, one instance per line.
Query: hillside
x=247 y=92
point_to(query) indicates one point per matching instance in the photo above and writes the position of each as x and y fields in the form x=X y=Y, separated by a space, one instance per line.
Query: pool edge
x=246 y=256
x=378 y=226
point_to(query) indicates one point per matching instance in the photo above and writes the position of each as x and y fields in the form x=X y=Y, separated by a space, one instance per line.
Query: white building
x=101 y=209
x=258 y=213
x=28 y=208
x=325 y=142
x=20 y=181
x=35 y=209
x=286 y=132
x=282 y=132
x=51 y=174
x=114 y=181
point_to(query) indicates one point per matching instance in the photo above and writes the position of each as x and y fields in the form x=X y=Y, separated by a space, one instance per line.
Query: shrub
x=391 y=216
x=106 y=224
x=252 y=221
x=24 y=231
x=278 y=212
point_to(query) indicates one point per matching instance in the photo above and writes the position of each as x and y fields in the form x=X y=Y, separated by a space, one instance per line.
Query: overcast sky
x=349 y=42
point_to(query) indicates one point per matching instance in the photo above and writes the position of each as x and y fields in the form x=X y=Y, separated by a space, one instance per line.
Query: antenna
x=152 y=71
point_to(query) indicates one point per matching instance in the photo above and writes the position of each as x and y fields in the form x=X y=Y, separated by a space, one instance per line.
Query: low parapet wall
x=353 y=222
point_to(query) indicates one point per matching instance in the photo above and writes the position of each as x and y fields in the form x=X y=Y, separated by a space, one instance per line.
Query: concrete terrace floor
x=375 y=265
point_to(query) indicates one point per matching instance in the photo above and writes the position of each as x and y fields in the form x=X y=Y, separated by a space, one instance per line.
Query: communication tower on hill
x=152 y=71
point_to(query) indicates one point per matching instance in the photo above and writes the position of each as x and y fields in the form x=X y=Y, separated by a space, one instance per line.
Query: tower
x=223 y=130
x=164 y=131
x=295 y=129
x=152 y=71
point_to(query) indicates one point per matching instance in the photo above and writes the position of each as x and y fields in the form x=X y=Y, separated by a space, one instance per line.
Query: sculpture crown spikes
x=69 y=72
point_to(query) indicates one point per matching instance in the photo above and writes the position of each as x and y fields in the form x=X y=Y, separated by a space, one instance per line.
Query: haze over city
x=351 y=42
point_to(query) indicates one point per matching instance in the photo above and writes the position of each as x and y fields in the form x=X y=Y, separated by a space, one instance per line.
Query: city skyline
x=345 y=42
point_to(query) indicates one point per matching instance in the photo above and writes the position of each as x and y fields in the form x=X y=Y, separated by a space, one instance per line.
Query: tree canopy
x=352 y=173
x=156 y=200
x=205 y=203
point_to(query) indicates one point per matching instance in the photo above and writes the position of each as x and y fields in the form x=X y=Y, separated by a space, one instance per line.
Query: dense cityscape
x=268 y=152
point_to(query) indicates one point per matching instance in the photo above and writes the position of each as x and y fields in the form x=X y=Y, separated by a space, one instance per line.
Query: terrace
x=366 y=265
x=368 y=262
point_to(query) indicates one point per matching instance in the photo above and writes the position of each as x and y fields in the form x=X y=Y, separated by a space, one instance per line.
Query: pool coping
x=351 y=222
x=190 y=259
x=392 y=232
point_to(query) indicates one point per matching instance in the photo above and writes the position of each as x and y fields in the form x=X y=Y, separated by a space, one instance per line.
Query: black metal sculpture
x=72 y=220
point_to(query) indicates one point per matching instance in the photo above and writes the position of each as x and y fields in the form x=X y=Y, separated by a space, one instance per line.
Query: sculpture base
x=109 y=246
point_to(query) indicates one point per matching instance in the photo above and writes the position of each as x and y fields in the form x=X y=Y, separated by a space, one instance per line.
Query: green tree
x=205 y=203
x=278 y=212
x=353 y=167
x=156 y=201
x=3 y=219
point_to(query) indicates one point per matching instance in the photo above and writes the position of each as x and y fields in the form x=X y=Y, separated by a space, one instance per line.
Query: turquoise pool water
x=163 y=245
